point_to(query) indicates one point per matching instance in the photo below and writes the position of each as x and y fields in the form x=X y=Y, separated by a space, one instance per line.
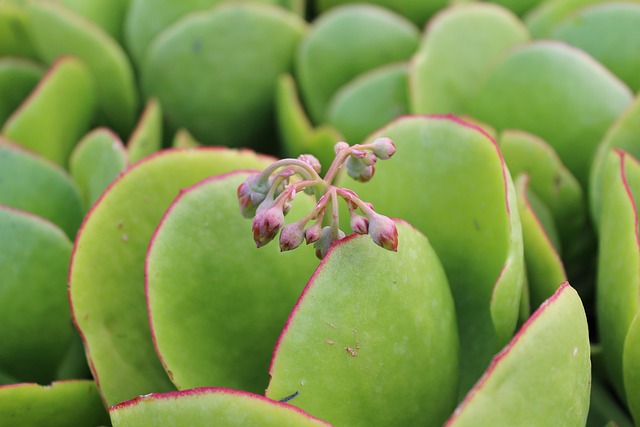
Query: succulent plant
x=151 y=150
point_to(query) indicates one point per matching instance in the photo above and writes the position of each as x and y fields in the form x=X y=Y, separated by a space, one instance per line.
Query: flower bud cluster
x=266 y=197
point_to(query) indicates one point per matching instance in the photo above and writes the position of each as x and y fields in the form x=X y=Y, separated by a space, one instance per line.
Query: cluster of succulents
x=149 y=149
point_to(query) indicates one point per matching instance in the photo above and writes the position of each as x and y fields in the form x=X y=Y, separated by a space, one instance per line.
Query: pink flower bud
x=313 y=233
x=359 y=224
x=383 y=231
x=383 y=148
x=329 y=235
x=312 y=161
x=248 y=198
x=369 y=159
x=366 y=174
x=291 y=236
x=340 y=146
x=266 y=225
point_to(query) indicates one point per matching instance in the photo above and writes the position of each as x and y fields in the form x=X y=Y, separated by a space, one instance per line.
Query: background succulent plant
x=132 y=292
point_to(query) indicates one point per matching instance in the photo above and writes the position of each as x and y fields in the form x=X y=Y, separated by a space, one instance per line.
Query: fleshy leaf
x=206 y=44
x=542 y=84
x=296 y=131
x=631 y=367
x=146 y=138
x=107 y=271
x=147 y=19
x=207 y=407
x=95 y=162
x=14 y=40
x=369 y=101
x=618 y=51
x=108 y=14
x=18 y=77
x=618 y=280
x=203 y=259
x=459 y=46
x=623 y=134
x=183 y=139
x=448 y=179
x=377 y=321
x=30 y=183
x=35 y=323
x=543 y=376
x=345 y=42
x=57 y=31
x=545 y=271
x=74 y=403
x=56 y=113
x=418 y=11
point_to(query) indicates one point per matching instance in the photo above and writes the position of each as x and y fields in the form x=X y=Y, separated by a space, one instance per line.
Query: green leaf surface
x=545 y=271
x=550 y=180
x=203 y=260
x=146 y=138
x=624 y=134
x=35 y=323
x=418 y=11
x=448 y=179
x=30 y=183
x=56 y=31
x=611 y=34
x=108 y=14
x=230 y=59
x=73 y=403
x=345 y=42
x=95 y=162
x=297 y=134
x=183 y=139
x=542 y=20
x=618 y=280
x=147 y=19
x=14 y=40
x=542 y=377
x=369 y=101
x=542 y=84
x=373 y=340
x=631 y=367
x=207 y=407
x=18 y=77
x=107 y=271
x=56 y=113
x=458 y=48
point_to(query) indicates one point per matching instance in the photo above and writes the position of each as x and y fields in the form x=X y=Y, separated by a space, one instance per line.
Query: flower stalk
x=267 y=196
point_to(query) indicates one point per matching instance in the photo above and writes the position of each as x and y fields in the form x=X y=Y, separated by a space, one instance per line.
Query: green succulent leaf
x=624 y=134
x=209 y=406
x=36 y=323
x=224 y=51
x=297 y=134
x=373 y=339
x=108 y=14
x=95 y=162
x=542 y=84
x=418 y=11
x=345 y=42
x=183 y=139
x=545 y=271
x=30 y=183
x=107 y=271
x=56 y=113
x=74 y=403
x=146 y=138
x=18 y=77
x=14 y=40
x=369 y=101
x=631 y=367
x=203 y=260
x=458 y=48
x=56 y=31
x=618 y=50
x=618 y=280
x=542 y=377
x=448 y=179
